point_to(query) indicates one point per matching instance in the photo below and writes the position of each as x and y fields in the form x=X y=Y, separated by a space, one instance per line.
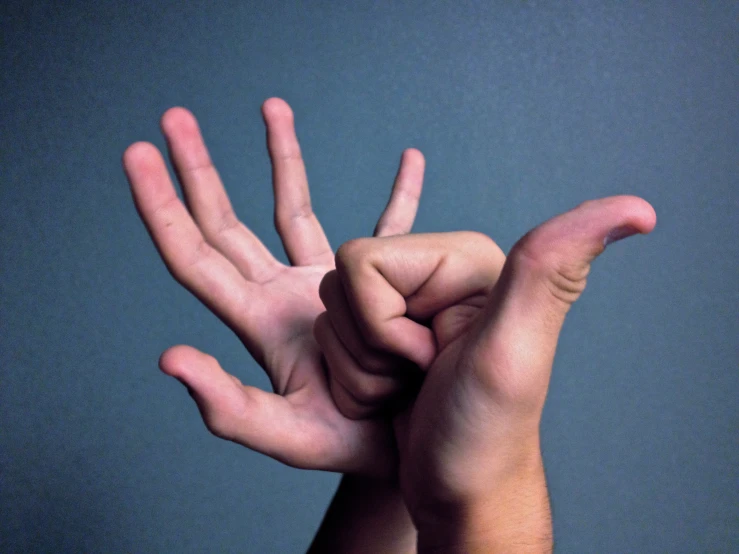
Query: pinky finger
x=400 y=212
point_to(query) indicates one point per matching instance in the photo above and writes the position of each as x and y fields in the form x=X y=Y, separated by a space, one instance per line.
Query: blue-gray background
x=523 y=110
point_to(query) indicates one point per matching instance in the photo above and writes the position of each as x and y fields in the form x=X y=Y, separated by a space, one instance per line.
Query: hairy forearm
x=365 y=516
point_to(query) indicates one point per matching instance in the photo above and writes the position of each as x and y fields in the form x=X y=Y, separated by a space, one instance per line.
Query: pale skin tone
x=467 y=447
x=471 y=471
x=270 y=306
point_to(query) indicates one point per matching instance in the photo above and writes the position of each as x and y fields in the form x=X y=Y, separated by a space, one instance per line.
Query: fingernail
x=619 y=233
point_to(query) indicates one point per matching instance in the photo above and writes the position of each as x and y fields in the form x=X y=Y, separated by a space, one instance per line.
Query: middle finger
x=207 y=199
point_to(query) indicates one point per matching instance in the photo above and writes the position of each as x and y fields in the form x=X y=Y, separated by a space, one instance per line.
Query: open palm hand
x=270 y=306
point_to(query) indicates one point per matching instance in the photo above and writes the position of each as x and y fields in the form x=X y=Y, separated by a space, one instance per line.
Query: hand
x=469 y=445
x=270 y=306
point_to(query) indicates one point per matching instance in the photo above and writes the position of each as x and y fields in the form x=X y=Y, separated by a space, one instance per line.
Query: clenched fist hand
x=483 y=329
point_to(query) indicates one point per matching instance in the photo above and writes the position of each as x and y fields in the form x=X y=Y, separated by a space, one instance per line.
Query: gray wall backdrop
x=523 y=110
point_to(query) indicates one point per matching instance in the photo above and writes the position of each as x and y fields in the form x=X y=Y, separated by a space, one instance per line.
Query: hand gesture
x=485 y=328
x=270 y=306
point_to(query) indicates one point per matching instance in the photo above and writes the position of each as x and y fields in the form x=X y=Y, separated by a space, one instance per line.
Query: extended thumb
x=259 y=420
x=545 y=273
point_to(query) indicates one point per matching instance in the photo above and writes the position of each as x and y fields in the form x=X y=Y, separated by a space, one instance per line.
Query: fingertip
x=648 y=216
x=173 y=361
x=414 y=156
x=137 y=153
x=141 y=162
x=640 y=220
x=600 y=221
x=410 y=173
x=182 y=361
x=177 y=118
x=636 y=212
x=276 y=108
x=417 y=342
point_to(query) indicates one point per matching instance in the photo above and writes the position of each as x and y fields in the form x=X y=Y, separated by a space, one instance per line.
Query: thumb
x=249 y=416
x=544 y=274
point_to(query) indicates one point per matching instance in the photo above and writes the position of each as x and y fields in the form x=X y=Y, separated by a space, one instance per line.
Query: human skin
x=272 y=308
x=484 y=328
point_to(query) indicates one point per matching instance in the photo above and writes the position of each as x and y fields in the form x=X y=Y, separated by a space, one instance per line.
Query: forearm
x=514 y=517
x=365 y=516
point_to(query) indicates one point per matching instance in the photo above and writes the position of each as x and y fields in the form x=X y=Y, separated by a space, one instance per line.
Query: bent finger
x=342 y=320
x=357 y=394
x=392 y=283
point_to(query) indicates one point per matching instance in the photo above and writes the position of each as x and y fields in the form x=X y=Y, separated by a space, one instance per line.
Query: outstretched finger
x=345 y=375
x=302 y=235
x=207 y=199
x=401 y=209
x=192 y=261
x=344 y=325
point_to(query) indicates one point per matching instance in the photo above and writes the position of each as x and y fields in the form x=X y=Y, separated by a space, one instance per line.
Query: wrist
x=513 y=514
x=366 y=515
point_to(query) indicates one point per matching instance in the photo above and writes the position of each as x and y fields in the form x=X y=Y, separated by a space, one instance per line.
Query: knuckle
x=287 y=215
x=164 y=211
x=353 y=410
x=520 y=393
x=369 y=390
x=503 y=379
x=480 y=242
x=565 y=279
x=345 y=401
x=408 y=194
x=207 y=167
x=219 y=424
x=303 y=210
x=476 y=238
x=376 y=337
x=200 y=252
x=290 y=155
x=351 y=252
x=586 y=204
x=373 y=362
x=227 y=222
x=225 y=418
